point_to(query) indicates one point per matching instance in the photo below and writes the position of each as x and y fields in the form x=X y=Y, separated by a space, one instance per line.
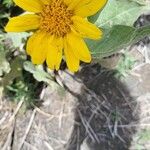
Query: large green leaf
x=94 y=18
x=116 y=38
x=141 y=2
x=121 y=12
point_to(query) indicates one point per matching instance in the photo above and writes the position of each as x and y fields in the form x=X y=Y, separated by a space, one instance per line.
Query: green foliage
x=23 y=88
x=7 y=3
x=15 y=72
x=125 y=64
x=42 y=76
x=116 y=21
x=38 y=72
x=141 y=2
x=120 y=12
x=20 y=90
x=4 y=65
x=116 y=38
x=18 y=39
x=143 y=138
x=95 y=17
x=5 y=9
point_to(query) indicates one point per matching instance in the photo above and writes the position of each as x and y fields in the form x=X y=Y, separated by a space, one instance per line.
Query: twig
x=57 y=140
x=88 y=128
x=4 y=118
x=27 y=130
x=124 y=97
x=30 y=146
x=51 y=116
x=78 y=139
x=129 y=125
x=61 y=116
x=14 y=114
x=48 y=145
x=9 y=139
x=17 y=109
x=44 y=113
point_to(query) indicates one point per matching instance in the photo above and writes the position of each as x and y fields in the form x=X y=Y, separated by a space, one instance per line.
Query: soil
x=96 y=111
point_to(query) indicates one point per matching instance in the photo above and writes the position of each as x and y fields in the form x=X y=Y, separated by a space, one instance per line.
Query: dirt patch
x=94 y=110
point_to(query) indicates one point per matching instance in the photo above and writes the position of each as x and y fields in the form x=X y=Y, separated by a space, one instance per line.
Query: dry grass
x=101 y=111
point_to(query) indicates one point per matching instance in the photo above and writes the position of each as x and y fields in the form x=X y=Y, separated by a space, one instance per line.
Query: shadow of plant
x=105 y=113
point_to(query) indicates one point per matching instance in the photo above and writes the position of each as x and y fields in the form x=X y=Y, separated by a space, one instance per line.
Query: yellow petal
x=73 y=4
x=46 y=2
x=54 y=53
x=37 y=47
x=30 y=5
x=89 y=7
x=67 y=2
x=85 y=28
x=31 y=43
x=23 y=23
x=39 y=54
x=71 y=60
x=78 y=47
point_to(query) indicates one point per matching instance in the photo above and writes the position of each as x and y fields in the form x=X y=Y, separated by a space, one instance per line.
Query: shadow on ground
x=105 y=113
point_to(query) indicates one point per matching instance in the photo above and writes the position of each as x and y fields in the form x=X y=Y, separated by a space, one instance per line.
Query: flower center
x=56 y=19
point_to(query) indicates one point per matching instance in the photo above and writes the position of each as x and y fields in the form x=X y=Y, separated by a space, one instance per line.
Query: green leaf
x=42 y=76
x=121 y=12
x=141 y=2
x=17 y=38
x=7 y=3
x=116 y=38
x=38 y=73
x=125 y=64
x=16 y=71
x=94 y=18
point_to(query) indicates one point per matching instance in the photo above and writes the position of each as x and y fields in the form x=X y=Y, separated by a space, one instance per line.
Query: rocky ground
x=96 y=109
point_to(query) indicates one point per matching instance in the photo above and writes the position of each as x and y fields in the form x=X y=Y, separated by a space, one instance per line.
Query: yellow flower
x=60 y=26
